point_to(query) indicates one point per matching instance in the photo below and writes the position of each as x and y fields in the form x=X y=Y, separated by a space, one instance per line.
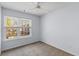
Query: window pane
x=11 y=30
x=25 y=28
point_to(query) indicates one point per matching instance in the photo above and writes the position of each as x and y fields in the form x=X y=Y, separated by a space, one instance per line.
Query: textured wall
x=61 y=29
x=0 y=29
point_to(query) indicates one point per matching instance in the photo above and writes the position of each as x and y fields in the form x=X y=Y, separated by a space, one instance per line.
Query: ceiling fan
x=38 y=6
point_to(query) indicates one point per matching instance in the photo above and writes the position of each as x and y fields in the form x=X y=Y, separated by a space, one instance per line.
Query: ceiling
x=30 y=7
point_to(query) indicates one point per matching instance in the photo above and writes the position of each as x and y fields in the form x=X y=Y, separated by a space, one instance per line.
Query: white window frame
x=17 y=37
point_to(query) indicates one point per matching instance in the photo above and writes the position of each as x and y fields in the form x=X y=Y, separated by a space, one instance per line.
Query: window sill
x=19 y=37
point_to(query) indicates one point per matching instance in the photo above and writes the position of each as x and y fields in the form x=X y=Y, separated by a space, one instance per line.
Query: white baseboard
x=60 y=48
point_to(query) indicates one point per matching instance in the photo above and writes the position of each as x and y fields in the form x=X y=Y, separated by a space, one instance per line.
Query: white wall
x=61 y=29
x=0 y=29
x=18 y=42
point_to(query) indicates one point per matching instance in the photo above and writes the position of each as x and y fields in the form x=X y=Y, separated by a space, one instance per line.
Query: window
x=24 y=30
x=17 y=27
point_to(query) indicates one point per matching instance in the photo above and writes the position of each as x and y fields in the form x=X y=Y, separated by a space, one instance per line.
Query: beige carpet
x=35 y=49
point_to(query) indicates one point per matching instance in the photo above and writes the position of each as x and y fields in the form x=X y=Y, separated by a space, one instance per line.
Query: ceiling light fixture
x=36 y=7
